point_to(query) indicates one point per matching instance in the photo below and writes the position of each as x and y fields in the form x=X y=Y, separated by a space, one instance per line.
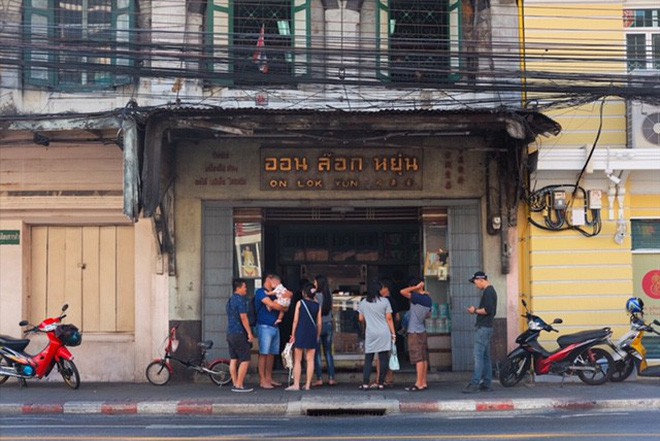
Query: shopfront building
x=355 y=211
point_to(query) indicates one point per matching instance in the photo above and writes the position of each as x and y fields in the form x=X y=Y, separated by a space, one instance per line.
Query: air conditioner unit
x=643 y=125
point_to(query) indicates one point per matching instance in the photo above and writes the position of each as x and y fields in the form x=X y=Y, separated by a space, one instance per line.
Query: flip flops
x=414 y=388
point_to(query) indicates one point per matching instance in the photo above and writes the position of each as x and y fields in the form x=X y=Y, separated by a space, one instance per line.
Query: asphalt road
x=554 y=425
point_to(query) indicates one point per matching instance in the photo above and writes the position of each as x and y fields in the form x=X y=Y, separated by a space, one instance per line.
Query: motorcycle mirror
x=65 y=307
x=657 y=322
x=23 y=323
x=524 y=303
x=557 y=321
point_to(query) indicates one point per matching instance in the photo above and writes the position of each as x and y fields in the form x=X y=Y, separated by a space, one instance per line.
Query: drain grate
x=345 y=412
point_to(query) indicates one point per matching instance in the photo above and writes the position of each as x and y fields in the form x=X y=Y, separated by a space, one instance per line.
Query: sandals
x=363 y=387
x=376 y=386
x=414 y=388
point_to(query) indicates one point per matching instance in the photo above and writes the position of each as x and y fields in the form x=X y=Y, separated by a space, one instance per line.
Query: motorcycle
x=576 y=354
x=14 y=362
x=630 y=353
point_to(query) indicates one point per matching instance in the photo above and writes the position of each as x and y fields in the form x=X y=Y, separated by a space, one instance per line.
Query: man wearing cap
x=483 y=369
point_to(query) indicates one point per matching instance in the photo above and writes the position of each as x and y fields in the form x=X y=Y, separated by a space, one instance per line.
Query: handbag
x=394 y=359
x=287 y=356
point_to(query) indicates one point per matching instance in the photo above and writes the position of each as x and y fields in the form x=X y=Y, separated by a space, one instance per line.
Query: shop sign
x=10 y=237
x=341 y=169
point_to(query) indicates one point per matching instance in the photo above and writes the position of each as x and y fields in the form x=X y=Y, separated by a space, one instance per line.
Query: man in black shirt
x=483 y=368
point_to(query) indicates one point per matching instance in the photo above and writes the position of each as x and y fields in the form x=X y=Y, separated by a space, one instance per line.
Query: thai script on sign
x=320 y=169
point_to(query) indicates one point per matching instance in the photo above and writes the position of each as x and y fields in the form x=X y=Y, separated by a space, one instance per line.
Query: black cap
x=479 y=275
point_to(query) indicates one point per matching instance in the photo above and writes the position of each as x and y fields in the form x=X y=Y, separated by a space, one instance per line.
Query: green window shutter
x=218 y=40
x=39 y=25
x=123 y=24
x=455 y=44
x=382 y=40
x=302 y=37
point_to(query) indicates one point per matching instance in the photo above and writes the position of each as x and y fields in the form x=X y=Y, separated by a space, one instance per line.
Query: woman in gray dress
x=376 y=313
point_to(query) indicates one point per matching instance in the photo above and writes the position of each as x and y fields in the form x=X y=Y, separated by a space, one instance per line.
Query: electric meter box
x=595 y=199
x=559 y=200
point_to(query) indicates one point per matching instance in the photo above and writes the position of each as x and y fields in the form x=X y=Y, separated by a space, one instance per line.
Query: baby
x=283 y=298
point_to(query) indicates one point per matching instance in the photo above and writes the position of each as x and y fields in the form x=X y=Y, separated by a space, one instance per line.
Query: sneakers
x=471 y=388
x=241 y=389
x=484 y=388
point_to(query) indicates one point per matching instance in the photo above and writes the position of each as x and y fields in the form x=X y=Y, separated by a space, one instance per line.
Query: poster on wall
x=247 y=239
x=646 y=279
x=436 y=264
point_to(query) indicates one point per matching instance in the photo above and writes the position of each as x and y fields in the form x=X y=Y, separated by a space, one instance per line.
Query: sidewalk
x=444 y=395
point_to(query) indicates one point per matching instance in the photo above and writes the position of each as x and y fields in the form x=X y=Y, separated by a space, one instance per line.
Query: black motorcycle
x=576 y=354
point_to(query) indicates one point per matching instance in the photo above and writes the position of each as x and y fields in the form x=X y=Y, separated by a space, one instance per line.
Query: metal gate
x=218 y=237
x=466 y=258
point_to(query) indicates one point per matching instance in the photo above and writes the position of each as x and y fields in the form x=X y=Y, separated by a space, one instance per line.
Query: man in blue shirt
x=239 y=335
x=267 y=330
x=418 y=347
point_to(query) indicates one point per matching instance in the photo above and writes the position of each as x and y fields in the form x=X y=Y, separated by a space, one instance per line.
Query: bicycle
x=160 y=370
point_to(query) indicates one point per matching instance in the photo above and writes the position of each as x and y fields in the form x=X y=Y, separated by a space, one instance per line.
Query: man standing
x=239 y=335
x=418 y=348
x=269 y=334
x=483 y=369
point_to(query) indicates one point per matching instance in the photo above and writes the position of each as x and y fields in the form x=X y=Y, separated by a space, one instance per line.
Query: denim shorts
x=269 y=340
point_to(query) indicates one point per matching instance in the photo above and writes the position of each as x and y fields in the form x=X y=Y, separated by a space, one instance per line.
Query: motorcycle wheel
x=157 y=373
x=513 y=370
x=5 y=364
x=600 y=360
x=622 y=369
x=70 y=373
x=221 y=374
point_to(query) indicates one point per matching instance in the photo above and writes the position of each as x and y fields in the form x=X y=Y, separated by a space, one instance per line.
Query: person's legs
x=297 y=369
x=366 y=371
x=383 y=360
x=265 y=335
x=327 y=347
x=242 y=373
x=478 y=354
x=233 y=371
x=309 y=359
x=487 y=367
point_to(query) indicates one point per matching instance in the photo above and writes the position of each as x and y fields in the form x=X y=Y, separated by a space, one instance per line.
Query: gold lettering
x=396 y=164
x=380 y=164
x=300 y=164
x=356 y=163
x=270 y=164
x=340 y=164
x=324 y=163
x=278 y=183
x=285 y=164
x=411 y=163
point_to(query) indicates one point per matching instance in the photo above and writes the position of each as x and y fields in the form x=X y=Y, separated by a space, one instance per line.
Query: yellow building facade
x=595 y=188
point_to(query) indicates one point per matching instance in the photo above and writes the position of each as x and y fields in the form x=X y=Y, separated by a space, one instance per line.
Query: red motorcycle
x=576 y=354
x=14 y=362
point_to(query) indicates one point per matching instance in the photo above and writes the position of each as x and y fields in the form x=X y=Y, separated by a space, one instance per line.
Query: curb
x=295 y=408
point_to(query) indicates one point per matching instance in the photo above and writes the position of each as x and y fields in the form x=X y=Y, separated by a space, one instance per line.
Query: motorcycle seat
x=578 y=337
x=16 y=344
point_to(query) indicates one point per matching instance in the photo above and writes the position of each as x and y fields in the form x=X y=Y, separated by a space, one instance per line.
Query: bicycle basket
x=69 y=335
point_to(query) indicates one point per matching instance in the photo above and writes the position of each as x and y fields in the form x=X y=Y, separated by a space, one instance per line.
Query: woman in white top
x=376 y=313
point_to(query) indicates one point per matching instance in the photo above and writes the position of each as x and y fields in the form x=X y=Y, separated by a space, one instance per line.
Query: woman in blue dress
x=305 y=334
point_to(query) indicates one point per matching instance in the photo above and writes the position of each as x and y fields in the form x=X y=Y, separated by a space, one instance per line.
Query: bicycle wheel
x=513 y=370
x=600 y=363
x=221 y=374
x=4 y=364
x=158 y=373
x=622 y=369
x=69 y=372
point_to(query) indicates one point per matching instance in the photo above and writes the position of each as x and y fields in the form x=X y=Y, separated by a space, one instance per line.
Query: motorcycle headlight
x=534 y=325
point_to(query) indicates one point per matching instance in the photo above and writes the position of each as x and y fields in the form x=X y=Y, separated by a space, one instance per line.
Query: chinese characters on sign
x=341 y=169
